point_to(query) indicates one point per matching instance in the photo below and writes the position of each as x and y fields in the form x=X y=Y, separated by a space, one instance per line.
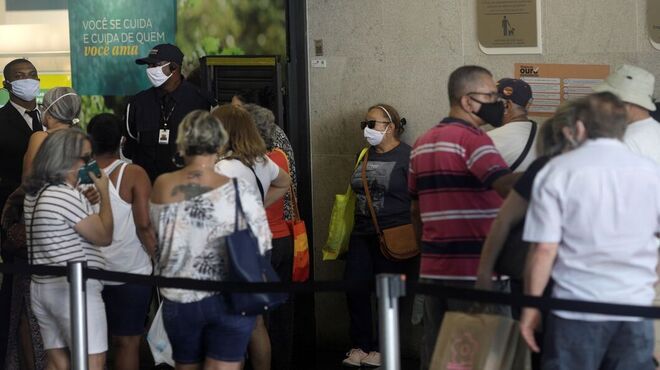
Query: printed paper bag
x=475 y=342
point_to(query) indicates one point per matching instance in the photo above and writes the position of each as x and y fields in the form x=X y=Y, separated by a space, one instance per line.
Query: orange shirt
x=275 y=212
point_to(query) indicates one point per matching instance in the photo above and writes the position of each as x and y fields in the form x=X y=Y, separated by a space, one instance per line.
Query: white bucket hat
x=632 y=85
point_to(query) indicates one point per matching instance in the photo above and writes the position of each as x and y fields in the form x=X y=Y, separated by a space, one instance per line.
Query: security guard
x=153 y=115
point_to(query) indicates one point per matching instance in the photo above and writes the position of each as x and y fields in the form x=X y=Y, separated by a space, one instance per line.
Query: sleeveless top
x=126 y=253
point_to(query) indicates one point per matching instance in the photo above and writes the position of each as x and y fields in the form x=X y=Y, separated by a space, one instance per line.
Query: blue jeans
x=597 y=345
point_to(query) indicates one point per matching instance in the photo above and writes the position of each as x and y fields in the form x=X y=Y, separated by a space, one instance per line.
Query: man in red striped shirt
x=457 y=180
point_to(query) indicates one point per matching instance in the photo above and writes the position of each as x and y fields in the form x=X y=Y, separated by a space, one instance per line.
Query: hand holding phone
x=83 y=172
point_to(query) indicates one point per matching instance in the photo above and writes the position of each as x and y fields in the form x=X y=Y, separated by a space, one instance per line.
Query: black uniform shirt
x=151 y=110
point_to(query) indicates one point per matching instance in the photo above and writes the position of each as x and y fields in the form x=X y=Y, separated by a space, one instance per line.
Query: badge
x=164 y=136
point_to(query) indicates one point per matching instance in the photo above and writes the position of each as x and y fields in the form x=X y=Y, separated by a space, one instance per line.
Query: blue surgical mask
x=26 y=89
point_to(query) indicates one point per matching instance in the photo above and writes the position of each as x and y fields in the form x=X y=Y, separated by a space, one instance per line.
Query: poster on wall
x=653 y=22
x=553 y=84
x=509 y=27
x=107 y=36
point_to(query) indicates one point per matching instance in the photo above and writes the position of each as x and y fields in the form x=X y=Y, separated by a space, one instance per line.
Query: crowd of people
x=159 y=191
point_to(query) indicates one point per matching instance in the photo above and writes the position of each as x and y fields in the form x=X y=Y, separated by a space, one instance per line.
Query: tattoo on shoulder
x=190 y=190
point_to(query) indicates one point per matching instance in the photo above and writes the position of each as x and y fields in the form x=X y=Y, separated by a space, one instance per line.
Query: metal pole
x=78 y=308
x=389 y=287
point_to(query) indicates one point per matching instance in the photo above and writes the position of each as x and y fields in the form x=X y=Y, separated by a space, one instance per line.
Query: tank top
x=126 y=253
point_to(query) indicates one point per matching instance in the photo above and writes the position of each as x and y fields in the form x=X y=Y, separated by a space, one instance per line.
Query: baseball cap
x=162 y=53
x=631 y=84
x=518 y=91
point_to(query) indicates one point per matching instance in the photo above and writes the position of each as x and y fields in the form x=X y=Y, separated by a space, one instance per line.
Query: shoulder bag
x=250 y=266
x=396 y=243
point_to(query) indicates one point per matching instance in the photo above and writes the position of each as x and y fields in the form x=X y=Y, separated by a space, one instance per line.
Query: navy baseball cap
x=162 y=53
x=518 y=91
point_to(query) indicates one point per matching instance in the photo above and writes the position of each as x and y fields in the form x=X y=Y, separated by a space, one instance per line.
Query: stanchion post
x=77 y=304
x=389 y=287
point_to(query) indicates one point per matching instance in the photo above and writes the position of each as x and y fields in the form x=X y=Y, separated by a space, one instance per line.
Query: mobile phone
x=83 y=172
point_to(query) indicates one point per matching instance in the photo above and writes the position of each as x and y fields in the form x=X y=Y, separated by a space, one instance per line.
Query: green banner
x=106 y=38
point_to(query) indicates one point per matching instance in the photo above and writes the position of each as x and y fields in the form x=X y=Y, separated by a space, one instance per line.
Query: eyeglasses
x=86 y=158
x=372 y=123
x=491 y=97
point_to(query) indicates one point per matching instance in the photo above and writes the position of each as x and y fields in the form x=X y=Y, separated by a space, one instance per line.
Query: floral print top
x=191 y=235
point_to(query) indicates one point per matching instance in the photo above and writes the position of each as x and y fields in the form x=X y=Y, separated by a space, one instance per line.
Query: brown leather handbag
x=398 y=242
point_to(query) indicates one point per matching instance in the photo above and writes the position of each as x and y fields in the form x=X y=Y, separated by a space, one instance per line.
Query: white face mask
x=374 y=137
x=25 y=89
x=157 y=76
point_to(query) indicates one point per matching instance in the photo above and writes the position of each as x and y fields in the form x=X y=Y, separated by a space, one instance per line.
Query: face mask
x=157 y=76
x=492 y=113
x=26 y=89
x=374 y=137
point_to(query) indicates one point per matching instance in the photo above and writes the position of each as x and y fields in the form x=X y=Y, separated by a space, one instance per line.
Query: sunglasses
x=371 y=124
x=86 y=158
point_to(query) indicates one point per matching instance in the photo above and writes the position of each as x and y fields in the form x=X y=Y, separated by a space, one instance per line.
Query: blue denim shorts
x=206 y=328
x=126 y=308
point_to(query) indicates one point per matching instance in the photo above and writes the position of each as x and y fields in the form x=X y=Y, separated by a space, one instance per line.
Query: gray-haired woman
x=61 y=108
x=61 y=227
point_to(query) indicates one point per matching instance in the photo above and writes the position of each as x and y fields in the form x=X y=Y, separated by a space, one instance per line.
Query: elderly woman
x=61 y=227
x=279 y=321
x=193 y=210
x=60 y=110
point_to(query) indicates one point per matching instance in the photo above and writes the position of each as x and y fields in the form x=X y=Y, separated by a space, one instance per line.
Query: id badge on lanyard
x=164 y=132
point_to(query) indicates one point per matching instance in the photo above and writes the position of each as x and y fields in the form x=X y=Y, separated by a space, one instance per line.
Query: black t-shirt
x=387 y=176
x=151 y=110
x=525 y=183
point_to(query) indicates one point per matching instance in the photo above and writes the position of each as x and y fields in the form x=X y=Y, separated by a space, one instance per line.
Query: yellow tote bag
x=341 y=221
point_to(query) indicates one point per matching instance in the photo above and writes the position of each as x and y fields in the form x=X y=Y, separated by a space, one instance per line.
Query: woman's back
x=192 y=213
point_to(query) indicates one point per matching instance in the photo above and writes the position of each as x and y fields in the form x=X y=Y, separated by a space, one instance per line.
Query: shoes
x=354 y=357
x=372 y=359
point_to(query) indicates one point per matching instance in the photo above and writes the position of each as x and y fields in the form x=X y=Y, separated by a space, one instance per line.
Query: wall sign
x=553 y=84
x=653 y=22
x=107 y=36
x=509 y=27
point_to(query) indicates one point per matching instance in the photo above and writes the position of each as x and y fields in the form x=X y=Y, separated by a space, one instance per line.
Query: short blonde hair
x=200 y=133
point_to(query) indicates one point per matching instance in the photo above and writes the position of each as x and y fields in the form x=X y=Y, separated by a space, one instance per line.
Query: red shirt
x=275 y=212
x=452 y=167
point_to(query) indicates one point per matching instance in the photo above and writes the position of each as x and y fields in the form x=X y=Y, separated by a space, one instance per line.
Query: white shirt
x=126 y=253
x=510 y=141
x=643 y=138
x=265 y=169
x=601 y=203
x=23 y=112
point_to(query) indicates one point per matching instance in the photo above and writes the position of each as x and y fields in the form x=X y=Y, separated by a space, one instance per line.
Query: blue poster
x=107 y=36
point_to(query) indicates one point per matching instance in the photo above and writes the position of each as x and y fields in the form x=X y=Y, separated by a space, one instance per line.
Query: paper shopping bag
x=477 y=342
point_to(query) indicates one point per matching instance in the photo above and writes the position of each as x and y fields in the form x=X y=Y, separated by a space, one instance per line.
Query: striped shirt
x=51 y=235
x=452 y=168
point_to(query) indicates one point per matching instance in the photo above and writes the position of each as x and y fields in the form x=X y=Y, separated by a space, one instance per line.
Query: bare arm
x=278 y=188
x=537 y=275
x=141 y=190
x=512 y=212
x=34 y=144
x=98 y=228
x=416 y=220
x=505 y=183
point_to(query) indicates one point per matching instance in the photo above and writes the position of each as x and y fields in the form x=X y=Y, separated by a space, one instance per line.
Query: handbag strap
x=34 y=211
x=367 y=193
x=259 y=185
x=239 y=206
x=528 y=146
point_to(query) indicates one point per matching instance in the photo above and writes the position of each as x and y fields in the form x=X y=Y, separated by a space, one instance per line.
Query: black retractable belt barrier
x=490 y=297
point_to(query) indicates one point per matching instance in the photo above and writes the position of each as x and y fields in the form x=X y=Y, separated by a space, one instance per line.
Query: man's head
x=21 y=80
x=517 y=95
x=634 y=86
x=163 y=62
x=473 y=96
x=603 y=115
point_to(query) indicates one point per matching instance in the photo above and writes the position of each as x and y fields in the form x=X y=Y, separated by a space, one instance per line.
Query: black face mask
x=492 y=113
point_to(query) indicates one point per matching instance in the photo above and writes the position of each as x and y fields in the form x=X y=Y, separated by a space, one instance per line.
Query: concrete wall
x=402 y=52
